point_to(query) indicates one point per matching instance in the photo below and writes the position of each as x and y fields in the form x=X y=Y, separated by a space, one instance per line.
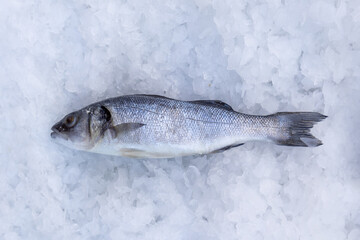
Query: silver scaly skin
x=152 y=126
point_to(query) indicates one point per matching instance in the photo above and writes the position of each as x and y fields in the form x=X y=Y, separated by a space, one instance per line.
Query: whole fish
x=150 y=126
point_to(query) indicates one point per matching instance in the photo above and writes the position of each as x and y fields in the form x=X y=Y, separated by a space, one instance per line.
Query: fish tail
x=295 y=128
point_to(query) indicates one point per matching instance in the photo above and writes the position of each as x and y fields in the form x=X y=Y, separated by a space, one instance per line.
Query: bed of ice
x=259 y=56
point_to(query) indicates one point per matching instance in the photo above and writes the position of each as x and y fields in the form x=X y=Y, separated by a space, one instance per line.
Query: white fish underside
x=161 y=150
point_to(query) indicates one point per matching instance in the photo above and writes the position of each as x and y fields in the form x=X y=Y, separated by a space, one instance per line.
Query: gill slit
x=89 y=125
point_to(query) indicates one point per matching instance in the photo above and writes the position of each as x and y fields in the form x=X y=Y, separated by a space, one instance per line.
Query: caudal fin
x=295 y=128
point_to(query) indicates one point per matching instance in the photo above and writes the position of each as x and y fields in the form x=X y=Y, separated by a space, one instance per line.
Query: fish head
x=82 y=129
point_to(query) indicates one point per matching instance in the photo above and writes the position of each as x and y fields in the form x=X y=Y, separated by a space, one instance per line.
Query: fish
x=152 y=126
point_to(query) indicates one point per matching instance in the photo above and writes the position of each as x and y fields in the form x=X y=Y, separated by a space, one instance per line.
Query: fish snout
x=57 y=130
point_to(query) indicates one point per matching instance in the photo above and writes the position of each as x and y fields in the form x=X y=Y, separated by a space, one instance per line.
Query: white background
x=260 y=57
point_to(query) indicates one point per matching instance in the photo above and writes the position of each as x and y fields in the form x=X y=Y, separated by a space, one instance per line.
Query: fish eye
x=70 y=121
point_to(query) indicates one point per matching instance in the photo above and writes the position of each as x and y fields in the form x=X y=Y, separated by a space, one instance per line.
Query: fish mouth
x=56 y=134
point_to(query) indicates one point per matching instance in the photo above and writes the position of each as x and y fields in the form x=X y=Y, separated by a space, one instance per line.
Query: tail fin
x=296 y=128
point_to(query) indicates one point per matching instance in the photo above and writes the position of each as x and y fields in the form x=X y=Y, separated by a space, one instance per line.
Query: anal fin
x=226 y=148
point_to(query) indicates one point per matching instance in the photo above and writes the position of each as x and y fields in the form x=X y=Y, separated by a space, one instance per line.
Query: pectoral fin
x=122 y=128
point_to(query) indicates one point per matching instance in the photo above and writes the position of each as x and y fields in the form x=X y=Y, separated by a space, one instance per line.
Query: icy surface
x=259 y=56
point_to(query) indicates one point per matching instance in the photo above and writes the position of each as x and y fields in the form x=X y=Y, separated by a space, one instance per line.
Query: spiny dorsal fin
x=123 y=128
x=153 y=95
x=227 y=147
x=216 y=103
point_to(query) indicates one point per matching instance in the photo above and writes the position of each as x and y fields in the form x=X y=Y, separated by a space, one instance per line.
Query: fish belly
x=164 y=149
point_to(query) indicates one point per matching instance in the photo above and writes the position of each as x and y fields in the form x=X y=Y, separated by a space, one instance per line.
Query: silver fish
x=151 y=126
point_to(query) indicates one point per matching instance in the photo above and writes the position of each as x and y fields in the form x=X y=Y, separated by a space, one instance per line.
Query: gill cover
x=99 y=122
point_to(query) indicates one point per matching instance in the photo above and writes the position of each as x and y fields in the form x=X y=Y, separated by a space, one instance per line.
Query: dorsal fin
x=216 y=103
x=226 y=148
x=153 y=95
